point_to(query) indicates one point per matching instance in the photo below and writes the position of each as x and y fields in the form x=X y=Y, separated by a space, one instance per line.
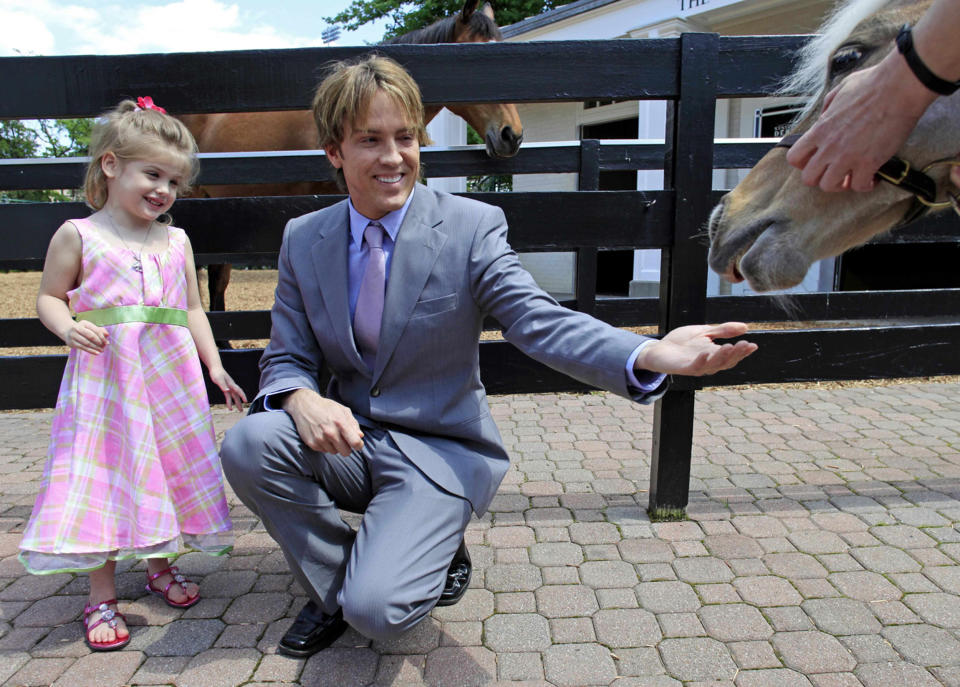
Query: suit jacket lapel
x=330 y=265
x=417 y=248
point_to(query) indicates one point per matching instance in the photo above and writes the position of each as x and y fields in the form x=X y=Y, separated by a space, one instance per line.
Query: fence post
x=589 y=180
x=688 y=171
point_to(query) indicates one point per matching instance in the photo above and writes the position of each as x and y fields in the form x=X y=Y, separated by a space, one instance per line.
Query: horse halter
x=899 y=172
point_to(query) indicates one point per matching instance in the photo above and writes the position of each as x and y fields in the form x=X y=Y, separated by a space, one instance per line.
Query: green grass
x=667 y=514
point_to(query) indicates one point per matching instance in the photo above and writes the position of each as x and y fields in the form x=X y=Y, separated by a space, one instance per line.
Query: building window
x=590 y=104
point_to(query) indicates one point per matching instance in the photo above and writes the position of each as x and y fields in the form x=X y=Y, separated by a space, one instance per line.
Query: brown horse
x=771 y=228
x=498 y=123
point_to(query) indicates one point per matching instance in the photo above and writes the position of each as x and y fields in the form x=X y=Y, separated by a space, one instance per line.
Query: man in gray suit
x=389 y=289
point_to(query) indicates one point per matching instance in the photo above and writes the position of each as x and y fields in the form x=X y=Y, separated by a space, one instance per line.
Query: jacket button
x=375 y=391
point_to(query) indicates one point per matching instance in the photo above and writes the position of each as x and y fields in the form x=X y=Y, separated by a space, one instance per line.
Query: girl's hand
x=231 y=391
x=86 y=336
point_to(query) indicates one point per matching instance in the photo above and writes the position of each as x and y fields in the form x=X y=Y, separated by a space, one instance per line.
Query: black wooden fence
x=690 y=72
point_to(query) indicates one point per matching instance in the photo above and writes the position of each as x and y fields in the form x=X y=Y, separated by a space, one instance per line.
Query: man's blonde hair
x=344 y=97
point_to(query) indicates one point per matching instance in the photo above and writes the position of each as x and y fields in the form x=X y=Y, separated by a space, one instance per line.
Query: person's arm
x=61 y=272
x=868 y=117
x=935 y=39
x=579 y=345
x=199 y=327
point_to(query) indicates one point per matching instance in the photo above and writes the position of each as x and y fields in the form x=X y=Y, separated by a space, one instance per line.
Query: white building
x=637 y=272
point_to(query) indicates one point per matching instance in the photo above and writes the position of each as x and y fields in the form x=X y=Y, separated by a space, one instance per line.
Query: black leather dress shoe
x=458 y=577
x=312 y=631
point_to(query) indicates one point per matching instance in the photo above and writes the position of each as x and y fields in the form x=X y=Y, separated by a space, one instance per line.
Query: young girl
x=132 y=465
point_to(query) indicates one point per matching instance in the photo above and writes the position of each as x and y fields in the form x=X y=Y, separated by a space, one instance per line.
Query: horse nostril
x=507 y=134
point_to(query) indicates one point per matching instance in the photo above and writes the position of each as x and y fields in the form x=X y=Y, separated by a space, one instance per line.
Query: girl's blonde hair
x=131 y=132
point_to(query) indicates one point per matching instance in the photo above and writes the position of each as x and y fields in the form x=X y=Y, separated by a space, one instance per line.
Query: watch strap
x=919 y=69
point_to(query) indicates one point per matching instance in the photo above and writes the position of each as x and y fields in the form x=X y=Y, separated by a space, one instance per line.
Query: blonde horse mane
x=810 y=77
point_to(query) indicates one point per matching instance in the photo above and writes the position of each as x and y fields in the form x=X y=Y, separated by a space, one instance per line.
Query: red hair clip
x=146 y=103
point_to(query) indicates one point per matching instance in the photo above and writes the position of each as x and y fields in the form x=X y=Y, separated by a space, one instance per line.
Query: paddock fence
x=904 y=333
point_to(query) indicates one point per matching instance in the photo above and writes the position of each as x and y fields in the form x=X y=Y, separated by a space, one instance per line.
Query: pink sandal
x=178 y=578
x=108 y=616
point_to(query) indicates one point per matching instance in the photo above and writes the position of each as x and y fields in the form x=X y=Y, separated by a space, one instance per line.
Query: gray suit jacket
x=451 y=266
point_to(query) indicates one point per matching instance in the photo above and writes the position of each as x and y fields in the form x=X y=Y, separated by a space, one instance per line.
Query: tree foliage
x=404 y=16
x=65 y=137
x=43 y=138
x=17 y=139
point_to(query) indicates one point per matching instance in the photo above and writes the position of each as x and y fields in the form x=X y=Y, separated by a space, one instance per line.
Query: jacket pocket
x=434 y=306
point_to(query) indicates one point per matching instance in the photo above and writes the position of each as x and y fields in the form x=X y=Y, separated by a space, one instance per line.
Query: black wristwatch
x=919 y=69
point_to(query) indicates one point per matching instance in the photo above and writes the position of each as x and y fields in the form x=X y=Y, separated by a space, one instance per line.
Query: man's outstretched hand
x=691 y=350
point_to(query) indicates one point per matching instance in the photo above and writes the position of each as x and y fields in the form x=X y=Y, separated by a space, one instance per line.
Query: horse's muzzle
x=504 y=145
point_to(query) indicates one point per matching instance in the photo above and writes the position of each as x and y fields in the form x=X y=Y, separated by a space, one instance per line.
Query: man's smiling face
x=379 y=157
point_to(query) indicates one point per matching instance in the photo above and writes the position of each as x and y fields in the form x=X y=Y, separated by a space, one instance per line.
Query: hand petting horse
x=498 y=123
x=771 y=227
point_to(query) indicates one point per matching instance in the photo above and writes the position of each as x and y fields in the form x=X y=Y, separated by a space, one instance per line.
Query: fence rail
x=690 y=72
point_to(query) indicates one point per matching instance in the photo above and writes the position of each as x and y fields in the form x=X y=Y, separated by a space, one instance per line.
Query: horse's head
x=498 y=123
x=771 y=227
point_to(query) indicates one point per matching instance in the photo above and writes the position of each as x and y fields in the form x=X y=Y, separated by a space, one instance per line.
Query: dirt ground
x=253 y=290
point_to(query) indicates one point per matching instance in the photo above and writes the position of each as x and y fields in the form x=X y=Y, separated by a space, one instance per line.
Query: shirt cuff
x=272 y=402
x=646 y=381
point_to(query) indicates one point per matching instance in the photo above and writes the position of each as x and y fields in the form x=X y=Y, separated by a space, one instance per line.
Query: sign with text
x=775 y=121
x=689 y=8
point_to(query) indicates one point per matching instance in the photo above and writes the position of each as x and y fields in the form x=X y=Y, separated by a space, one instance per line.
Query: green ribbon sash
x=134 y=313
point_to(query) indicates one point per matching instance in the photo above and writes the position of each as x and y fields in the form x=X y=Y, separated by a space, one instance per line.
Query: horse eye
x=844 y=60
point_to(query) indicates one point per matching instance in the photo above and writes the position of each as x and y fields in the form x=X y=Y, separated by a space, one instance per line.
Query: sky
x=111 y=27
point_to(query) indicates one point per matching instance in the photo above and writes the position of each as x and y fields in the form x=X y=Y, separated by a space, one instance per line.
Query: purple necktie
x=369 y=310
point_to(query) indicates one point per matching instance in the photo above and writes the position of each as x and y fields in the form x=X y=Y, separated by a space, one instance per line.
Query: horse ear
x=469 y=7
x=487 y=9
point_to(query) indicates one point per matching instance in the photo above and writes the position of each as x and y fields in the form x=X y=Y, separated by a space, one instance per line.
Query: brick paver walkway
x=822 y=549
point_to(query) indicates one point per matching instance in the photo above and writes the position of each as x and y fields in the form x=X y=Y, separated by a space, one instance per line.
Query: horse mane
x=810 y=76
x=441 y=31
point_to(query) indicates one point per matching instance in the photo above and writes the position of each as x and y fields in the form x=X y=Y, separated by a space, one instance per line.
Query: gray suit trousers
x=388 y=574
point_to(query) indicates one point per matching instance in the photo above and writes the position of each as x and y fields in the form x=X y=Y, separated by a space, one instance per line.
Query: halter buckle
x=896 y=181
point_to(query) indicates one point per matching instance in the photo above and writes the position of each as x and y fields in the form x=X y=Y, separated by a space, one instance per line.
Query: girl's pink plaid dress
x=132 y=466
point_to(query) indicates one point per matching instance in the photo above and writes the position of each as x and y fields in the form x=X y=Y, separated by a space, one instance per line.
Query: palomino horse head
x=498 y=123
x=771 y=228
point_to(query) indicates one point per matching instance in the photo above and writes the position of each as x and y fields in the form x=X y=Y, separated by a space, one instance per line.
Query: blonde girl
x=132 y=469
